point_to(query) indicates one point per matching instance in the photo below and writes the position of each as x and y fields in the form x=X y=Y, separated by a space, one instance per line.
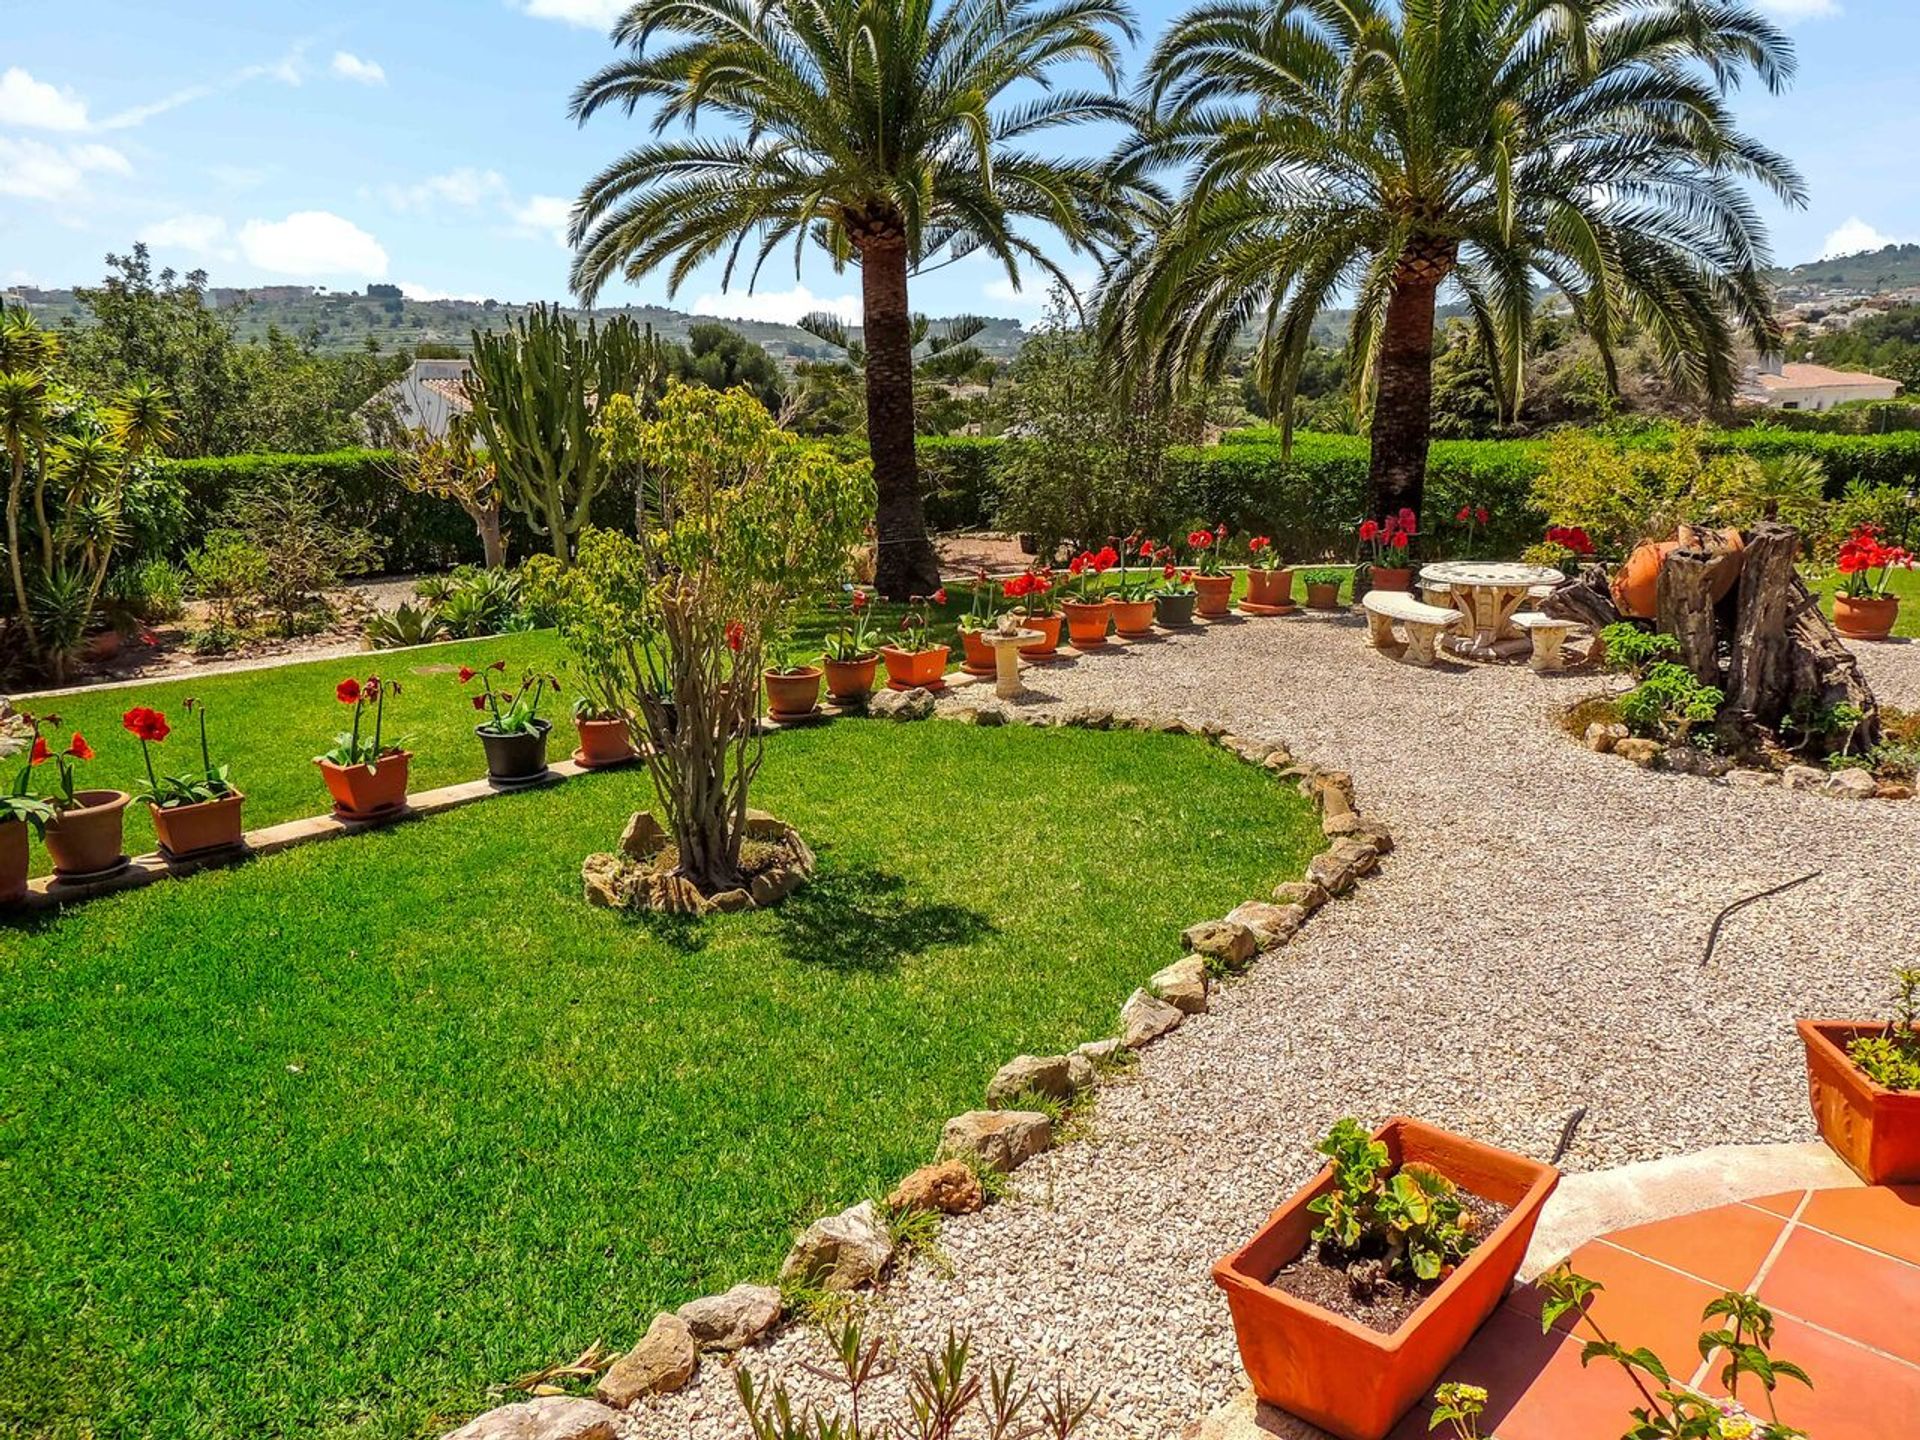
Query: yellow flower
x=1735 y=1427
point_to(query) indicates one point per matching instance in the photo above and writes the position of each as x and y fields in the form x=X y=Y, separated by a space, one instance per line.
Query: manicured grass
x=1906 y=584
x=329 y=1143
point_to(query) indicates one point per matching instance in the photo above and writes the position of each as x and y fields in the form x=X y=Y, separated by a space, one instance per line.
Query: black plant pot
x=515 y=759
x=1173 y=611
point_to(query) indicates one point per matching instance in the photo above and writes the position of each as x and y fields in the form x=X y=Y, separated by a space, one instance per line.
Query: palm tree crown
x=1369 y=150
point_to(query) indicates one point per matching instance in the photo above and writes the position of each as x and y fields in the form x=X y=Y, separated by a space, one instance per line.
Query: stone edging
x=1848 y=784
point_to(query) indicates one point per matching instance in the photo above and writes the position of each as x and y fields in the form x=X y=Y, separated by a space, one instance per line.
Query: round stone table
x=1488 y=593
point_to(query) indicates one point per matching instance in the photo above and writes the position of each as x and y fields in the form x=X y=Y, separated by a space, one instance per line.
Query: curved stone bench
x=1547 y=635
x=1424 y=625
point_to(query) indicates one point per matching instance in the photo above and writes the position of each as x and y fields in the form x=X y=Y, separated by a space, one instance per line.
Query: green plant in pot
x=197 y=813
x=1323 y=584
x=86 y=835
x=514 y=734
x=364 y=772
x=793 y=686
x=21 y=811
x=1174 y=597
x=851 y=659
x=1269 y=583
x=605 y=736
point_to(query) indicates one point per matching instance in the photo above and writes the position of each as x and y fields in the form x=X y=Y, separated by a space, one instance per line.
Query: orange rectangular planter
x=363 y=793
x=1344 y=1376
x=185 y=831
x=915 y=669
x=1872 y=1128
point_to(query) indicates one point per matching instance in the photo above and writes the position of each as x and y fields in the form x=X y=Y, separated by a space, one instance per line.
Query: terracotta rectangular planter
x=188 y=830
x=915 y=669
x=363 y=793
x=1344 y=1376
x=1874 y=1129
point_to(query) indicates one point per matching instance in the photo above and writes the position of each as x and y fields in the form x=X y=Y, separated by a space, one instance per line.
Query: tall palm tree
x=880 y=130
x=1370 y=151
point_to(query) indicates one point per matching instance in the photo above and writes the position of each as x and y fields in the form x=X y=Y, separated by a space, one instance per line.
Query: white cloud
x=37 y=105
x=35 y=170
x=597 y=14
x=1031 y=298
x=1856 y=237
x=782 y=307
x=200 y=234
x=544 y=215
x=312 y=243
x=349 y=66
x=465 y=187
x=427 y=293
x=1801 y=9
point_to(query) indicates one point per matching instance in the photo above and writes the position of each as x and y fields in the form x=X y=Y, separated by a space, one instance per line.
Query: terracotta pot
x=189 y=830
x=1133 y=617
x=104 y=645
x=979 y=654
x=1342 y=1375
x=13 y=861
x=1392 y=577
x=1270 y=588
x=602 y=742
x=364 y=792
x=1865 y=619
x=1216 y=594
x=915 y=669
x=1087 y=622
x=1323 y=597
x=1049 y=626
x=849 y=681
x=90 y=837
x=1174 y=611
x=795 y=695
x=1872 y=1128
x=515 y=757
x=1636 y=583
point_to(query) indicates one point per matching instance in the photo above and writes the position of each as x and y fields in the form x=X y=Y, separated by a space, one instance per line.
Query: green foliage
x=1460 y=1406
x=1621 y=493
x=304 y=549
x=405 y=625
x=1892 y=1058
x=154 y=590
x=1410 y=1218
x=1669 y=702
x=1633 y=648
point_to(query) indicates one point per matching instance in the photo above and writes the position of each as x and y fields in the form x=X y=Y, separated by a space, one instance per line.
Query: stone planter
x=90 y=836
x=849 y=682
x=186 y=831
x=13 y=861
x=1216 y=595
x=368 y=792
x=516 y=758
x=915 y=669
x=1133 y=618
x=1087 y=622
x=1344 y=1376
x=1874 y=1129
x=1865 y=619
x=602 y=742
x=1174 y=611
x=794 y=694
x=1048 y=627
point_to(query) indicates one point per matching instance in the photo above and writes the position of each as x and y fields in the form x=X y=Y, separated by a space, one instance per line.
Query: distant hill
x=1873 y=272
x=342 y=320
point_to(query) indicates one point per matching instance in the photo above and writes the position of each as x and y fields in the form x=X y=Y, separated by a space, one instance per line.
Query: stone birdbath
x=1006 y=637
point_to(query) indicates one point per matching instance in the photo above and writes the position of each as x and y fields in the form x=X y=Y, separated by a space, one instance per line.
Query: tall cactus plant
x=534 y=388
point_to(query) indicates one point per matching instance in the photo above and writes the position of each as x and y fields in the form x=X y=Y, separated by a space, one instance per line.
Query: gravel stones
x=663 y=1361
x=1000 y=1140
x=841 y=1252
x=734 y=1320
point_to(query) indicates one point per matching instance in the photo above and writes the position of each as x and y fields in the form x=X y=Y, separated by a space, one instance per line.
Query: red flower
x=147 y=637
x=859 y=601
x=1200 y=539
x=1107 y=558
x=1167 y=571
x=1043 y=582
x=79 y=749
x=1399 y=539
x=1480 y=515
x=1369 y=530
x=1186 y=577
x=145 y=724
x=1464 y=512
x=940 y=596
x=347 y=692
x=467 y=672
x=1018 y=587
x=736 y=636
x=1409 y=522
x=479 y=702
x=1077 y=564
x=499 y=665
x=1259 y=543
x=41 y=754
x=1146 y=550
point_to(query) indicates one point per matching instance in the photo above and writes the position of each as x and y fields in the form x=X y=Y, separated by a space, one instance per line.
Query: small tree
x=451 y=468
x=738 y=520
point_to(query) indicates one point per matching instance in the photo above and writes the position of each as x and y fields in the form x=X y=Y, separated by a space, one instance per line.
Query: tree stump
x=1684 y=610
x=1585 y=598
x=1760 y=679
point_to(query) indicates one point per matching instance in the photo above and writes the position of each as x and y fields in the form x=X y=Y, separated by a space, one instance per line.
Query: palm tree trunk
x=905 y=565
x=17 y=453
x=1403 y=402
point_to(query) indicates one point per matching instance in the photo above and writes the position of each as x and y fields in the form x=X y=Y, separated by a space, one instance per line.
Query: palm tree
x=1369 y=151
x=878 y=129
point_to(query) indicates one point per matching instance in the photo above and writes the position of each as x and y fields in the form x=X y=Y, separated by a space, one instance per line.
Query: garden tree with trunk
x=739 y=520
x=453 y=468
x=1370 y=152
x=883 y=131
x=534 y=388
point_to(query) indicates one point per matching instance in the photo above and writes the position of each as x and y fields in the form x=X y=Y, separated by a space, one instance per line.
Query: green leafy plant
x=1631 y=649
x=19 y=801
x=304 y=552
x=404 y=625
x=1892 y=1058
x=1325 y=575
x=1136 y=585
x=851 y=637
x=170 y=792
x=1405 y=1224
x=509 y=712
x=1668 y=703
x=1460 y=1406
x=916 y=623
x=349 y=746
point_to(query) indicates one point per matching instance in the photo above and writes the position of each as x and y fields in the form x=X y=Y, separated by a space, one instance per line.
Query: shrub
x=1630 y=648
x=1669 y=702
x=306 y=550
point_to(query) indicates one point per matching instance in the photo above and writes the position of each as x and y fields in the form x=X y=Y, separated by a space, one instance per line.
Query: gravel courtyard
x=1533 y=944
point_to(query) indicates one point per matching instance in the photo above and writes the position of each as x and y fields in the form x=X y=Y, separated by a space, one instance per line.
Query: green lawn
x=328 y=1143
x=1906 y=584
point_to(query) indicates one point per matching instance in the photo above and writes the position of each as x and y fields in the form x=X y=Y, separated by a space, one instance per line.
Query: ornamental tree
x=738 y=519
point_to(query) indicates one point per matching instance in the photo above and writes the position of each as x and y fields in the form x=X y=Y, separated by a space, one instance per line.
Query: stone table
x=1488 y=593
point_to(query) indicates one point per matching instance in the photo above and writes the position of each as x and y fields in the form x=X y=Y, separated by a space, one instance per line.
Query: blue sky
x=335 y=142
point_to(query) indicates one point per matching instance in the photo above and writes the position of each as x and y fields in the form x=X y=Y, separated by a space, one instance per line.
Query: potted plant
x=850 y=657
x=1358 y=1292
x=1174 y=597
x=793 y=688
x=1211 y=580
x=1132 y=597
x=21 y=810
x=86 y=835
x=1269 y=583
x=978 y=655
x=1862 y=608
x=916 y=662
x=1864 y=1081
x=366 y=776
x=514 y=734
x=1323 y=584
x=1089 y=612
x=604 y=737
x=1034 y=592
x=194 y=814
x=1390 y=542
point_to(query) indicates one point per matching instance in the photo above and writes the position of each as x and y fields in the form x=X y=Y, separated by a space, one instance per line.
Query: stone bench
x=1424 y=625
x=1547 y=635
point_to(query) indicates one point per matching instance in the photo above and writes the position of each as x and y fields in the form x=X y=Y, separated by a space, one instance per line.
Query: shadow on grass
x=864 y=921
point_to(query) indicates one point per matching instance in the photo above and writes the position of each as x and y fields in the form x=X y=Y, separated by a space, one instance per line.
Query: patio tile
x=1782 y=1204
x=1859 y=1293
x=1885 y=1217
x=1723 y=1247
x=1856 y=1394
x=1642 y=1304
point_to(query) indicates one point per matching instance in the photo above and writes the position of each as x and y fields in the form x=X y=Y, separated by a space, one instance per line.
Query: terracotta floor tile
x=1856 y=1394
x=1783 y=1204
x=1722 y=1246
x=1643 y=1304
x=1858 y=1293
x=1887 y=1217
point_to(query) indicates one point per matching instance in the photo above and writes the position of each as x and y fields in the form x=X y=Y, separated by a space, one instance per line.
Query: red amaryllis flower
x=1399 y=539
x=1480 y=515
x=79 y=749
x=479 y=702
x=859 y=601
x=1408 y=520
x=1463 y=512
x=467 y=672
x=499 y=665
x=1167 y=571
x=736 y=636
x=1259 y=543
x=347 y=692
x=1147 y=551
x=41 y=754
x=1077 y=564
x=1107 y=558
x=1018 y=587
x=145 y=724
x=1369 y=530
x=1200 y=539
x=1186 y=577
x=940 y=596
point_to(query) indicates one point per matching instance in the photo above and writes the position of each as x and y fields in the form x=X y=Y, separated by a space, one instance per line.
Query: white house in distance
x=1793 y=385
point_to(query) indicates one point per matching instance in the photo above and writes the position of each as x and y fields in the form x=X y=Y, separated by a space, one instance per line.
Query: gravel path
x=1533 y=944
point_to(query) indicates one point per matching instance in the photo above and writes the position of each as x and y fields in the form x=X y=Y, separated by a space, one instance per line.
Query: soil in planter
x=1317 y=1282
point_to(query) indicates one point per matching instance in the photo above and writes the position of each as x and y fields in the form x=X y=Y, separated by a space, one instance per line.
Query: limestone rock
x=1227 y=941
x=1692 y=760
x=1089 y=717
x=1333 y=792
x=1803 y=777
x=1335 y=869
x=643 y=838
x=1103 y=1052
x=1603 y=737
x=1852 y=785
x=914 y=704
x=1309 y=895
x=949 y=1187
x=734 y=1320
x=1042 y=1074
x=663 y=1361
x=841 y=1252
x=1752 y=779
x=551 y=1417
x=1644 y=753
x=998 y=1139
x=1080 y=1072
x=1144 y=1019
x=991 y=713
x=1272 y=925
x=1359 y=852
x=1183 y=984
x=601 y=877
x=1336 y=827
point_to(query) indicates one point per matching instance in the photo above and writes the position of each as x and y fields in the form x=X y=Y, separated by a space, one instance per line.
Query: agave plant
x=404 y=625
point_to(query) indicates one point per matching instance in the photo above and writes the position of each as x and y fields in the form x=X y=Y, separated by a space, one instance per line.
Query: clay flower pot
x=851 y=681
x=1216 y=595
x=915 y=669
x=1087 y=622
x=1344 y=1376
x=794 y=695
x=1133 y=617
x=1865 y=619
x=1270 y=589
x=13 y=861
x=517 y=757
x=1049 y=626
x=89 y=837
x=1323 y=597
x=1174 y=611
x=1392 y=577
x=365 y=792
x=602 y=742
x=1636 y=584
x=185 y=831
x=1872 y=1128
x=979 y=654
